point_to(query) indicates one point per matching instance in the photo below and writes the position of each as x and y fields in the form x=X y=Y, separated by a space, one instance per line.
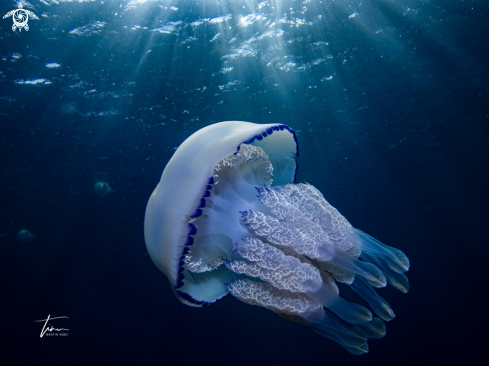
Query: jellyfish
x=227 y=218
x=69 y=108
x=24 y=236
x=102 y=188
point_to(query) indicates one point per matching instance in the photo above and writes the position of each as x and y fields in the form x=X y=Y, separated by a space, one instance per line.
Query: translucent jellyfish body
x=102 y=188
x=227 y=218
x=24 y=236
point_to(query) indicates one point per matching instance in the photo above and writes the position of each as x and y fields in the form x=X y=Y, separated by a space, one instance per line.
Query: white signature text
x=46 y=328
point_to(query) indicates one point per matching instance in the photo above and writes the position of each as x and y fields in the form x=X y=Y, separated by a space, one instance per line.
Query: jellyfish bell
x=227 y=218
x=102 y=188
x=186 y=185
x=24 y=236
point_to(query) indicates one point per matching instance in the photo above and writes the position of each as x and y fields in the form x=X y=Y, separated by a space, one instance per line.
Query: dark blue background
x=397 y=140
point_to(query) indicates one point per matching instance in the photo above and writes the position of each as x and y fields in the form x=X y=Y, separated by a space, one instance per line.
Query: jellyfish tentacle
x=313 y=205
x=374 y=328
x=274 y=267
x=343 y=260
x=353 y=339
x=393 y=257
x=395 y=279
x=261 y=293
x=288 y=234
x=352 y=313
x=288 y=273
x=377 y=303
x=305 y=236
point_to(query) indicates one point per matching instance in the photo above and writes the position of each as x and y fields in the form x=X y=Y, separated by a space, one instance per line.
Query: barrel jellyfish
x=24 y=236
x=102 y=188
x=227 y=218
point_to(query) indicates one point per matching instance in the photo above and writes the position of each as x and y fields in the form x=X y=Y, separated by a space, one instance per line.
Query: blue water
x=390 y=102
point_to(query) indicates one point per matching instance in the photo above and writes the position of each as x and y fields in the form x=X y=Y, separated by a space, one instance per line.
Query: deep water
x=390 y=102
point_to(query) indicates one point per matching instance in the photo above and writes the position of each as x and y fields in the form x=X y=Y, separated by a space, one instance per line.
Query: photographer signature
x=50 y=329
